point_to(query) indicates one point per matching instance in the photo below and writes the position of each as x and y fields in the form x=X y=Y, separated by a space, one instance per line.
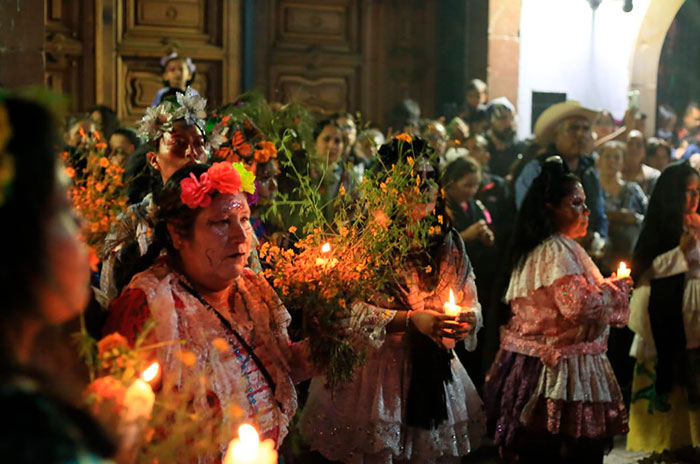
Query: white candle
x=623 y=271
x=139 y=397
x=247 y=449
x=451 y=309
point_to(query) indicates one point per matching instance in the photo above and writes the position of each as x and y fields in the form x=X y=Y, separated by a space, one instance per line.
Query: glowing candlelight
x=326 y=247
x=247 y=449
x=150 y=373
x=623 y=271
x=330 y=262
x=451 y=309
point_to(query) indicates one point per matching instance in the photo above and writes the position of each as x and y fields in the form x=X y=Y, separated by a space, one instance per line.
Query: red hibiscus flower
x=195 y=193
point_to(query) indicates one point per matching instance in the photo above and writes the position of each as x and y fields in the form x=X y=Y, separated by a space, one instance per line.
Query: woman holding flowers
x=412 y=400
x=233 y=324
x=551 y=395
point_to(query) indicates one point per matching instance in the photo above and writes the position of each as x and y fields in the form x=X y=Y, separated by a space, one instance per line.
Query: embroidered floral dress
x=551 y=374
x=363 y=421
x=236 y=379
x=661 y=422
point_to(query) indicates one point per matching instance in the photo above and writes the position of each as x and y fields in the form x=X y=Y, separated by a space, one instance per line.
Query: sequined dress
x=551 y=375
x=363 y=421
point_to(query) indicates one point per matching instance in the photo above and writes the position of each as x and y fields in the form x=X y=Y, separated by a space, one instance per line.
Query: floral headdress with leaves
x=239 y=140
x=223 y=177
x=158 y=120
x=7 y=162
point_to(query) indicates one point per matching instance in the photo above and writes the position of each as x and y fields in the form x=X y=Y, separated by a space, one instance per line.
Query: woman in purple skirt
x=551 y=395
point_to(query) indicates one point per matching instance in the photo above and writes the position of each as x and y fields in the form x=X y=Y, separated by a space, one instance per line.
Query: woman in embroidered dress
x=44 y=278
x=551 y=395
x=665 y=316
x=200 y=291
x=412 y=401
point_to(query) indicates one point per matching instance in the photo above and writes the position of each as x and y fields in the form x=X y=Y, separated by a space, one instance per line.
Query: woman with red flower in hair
x=199 y=290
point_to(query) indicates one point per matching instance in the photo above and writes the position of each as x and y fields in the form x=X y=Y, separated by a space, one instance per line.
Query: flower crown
x=7 y=162
x=158 y=120
x=223 y=177
x=244 y=142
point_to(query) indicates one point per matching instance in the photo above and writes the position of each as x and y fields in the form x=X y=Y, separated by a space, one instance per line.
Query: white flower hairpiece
x=159 y=120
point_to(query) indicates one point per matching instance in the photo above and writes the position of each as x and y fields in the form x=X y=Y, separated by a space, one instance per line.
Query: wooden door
x=132 y=36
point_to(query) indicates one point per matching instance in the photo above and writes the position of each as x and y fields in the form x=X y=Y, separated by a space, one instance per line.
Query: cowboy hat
x=548 y=120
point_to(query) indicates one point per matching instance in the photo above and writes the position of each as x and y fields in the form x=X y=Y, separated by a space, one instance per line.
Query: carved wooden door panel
x=135 y=34
x=347 y=55
x=69 y=45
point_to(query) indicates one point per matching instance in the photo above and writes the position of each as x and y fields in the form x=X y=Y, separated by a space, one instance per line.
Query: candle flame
x=452 y=298
x=150 y=372
x=622 y=267
x=326 y=247
x=249 y=440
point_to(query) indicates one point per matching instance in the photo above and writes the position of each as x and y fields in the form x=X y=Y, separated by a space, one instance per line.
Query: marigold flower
x=104 y=162
x=221 y=344
x=428 y=269
x=405 y=137
x=292 y=229
x=187 y=358
x=110 y=342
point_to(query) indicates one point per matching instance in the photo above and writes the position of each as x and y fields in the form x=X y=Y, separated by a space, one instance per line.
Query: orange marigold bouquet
x=98 y=193
x=352 y=258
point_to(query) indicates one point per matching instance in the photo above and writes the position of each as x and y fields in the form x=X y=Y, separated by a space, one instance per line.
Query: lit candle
x=325 y=249
x=139 y=397
x=247 y=449
x=623 y=271
x=451 y=309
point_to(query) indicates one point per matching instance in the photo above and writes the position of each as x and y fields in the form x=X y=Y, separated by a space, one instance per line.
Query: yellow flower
x=341 y=191
x=247 y=178
x=409 y=160
x=221 y=344
x=405 y=137
x=439 y=218
x=343 y=231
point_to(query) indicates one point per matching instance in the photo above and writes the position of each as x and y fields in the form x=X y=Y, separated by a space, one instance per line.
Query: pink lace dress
x=363 y=421
x=551 y=374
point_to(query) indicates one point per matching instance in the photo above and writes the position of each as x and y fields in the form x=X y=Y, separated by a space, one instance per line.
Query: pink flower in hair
x=195 y=193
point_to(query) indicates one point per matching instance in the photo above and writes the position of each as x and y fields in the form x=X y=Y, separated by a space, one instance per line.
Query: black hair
x=458 y=169
x=75 y=119
x=663 y=223
x=654 y=143
x=110 y=122
x=129 y=134
x=28 y=207
x=322 y=124
x=139 y=176
x=535 y=221
x=171 y=211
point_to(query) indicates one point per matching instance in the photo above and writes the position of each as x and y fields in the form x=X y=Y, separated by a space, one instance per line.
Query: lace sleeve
x=579 y=300
x=368 y=324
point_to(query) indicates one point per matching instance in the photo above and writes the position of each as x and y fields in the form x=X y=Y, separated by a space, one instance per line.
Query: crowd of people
x=528 y=230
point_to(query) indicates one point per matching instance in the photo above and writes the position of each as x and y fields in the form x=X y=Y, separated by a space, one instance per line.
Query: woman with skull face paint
x=201 y=291
x=174 y=132
x=551 y=395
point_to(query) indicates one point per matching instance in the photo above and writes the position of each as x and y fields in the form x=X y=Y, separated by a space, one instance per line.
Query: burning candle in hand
x=247 y=449
x=139 y=397
x=451 y=309
x=623 y=271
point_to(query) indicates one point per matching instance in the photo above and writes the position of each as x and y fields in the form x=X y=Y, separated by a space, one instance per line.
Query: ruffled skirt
x=362 y=422
x=577 y=399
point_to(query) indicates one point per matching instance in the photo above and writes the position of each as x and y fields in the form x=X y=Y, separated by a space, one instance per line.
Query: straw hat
x=548 y=120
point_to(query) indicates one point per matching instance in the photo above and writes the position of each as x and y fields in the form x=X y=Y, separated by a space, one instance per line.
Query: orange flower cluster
x=99 y=195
